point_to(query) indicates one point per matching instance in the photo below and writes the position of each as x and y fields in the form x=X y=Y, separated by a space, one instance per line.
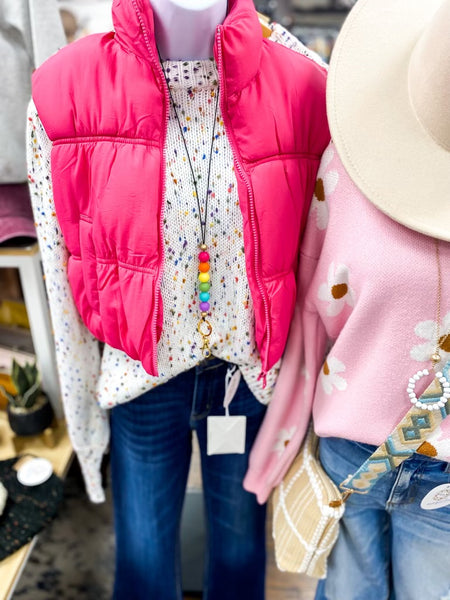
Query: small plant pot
x=31 y=421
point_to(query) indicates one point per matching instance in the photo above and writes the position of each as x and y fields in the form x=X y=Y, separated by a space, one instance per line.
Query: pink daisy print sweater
x=365 y=322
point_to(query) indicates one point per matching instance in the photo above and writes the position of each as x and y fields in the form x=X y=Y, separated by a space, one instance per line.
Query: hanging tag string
x=232 y=379
x=194 y=179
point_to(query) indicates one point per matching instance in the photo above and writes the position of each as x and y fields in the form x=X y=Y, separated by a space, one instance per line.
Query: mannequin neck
x=185 y=29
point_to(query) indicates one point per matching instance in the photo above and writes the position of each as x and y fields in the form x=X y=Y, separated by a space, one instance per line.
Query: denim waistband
x=212 y=363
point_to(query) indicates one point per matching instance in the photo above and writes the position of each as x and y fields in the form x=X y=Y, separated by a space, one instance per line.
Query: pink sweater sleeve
x=289 y=411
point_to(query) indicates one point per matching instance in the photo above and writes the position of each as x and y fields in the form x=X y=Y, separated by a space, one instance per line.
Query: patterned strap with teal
x=408 y=437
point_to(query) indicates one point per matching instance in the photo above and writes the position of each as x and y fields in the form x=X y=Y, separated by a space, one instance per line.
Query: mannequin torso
x=184 y=29
x=238 y=41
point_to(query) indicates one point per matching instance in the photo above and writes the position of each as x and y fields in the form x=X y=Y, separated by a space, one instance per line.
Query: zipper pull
x=263 y=376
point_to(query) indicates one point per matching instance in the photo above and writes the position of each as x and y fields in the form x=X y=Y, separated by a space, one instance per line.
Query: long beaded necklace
x=204 y=327
x=435 y=358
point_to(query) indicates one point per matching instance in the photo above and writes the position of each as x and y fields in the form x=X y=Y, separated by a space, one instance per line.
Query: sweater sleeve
x=290 y=409
x=77 y=351
x=282 y=36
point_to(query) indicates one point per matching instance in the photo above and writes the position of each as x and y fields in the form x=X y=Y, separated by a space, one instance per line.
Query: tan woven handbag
x=305 y=526
x=307 y=505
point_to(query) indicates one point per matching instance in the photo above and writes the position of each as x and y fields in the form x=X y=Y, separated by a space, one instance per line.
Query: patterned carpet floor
x=73 y=558
x=64 y=564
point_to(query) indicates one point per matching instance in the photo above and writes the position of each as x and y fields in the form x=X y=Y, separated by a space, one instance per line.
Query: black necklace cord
x=194 y=181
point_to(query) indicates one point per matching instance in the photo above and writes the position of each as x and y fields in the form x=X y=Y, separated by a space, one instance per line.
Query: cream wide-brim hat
x=388 y=104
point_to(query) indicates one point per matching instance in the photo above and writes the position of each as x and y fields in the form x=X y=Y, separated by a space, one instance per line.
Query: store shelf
x=318 y=18
x=16 y=339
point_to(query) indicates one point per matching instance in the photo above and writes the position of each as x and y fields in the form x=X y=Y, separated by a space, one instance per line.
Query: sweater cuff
x=253 y=484
x=90 y=459
x=262 y=480
x=262 y=485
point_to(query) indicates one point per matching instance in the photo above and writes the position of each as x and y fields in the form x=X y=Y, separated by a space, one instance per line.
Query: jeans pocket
x=432 y=482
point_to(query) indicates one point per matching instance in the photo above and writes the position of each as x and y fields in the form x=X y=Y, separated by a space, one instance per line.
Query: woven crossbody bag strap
x=409 y=436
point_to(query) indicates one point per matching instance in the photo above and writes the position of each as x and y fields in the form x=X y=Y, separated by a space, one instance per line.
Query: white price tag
x=437 y=497
x=226 y=435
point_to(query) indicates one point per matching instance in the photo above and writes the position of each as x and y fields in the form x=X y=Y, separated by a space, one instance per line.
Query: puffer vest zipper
x=108 y=169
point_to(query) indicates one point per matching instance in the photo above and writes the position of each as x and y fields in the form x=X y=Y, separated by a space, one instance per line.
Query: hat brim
x=15 y=227
x=382 y=145
x=16 y=215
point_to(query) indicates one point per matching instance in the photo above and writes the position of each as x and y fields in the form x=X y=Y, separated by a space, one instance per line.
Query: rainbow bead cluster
x=203 y=278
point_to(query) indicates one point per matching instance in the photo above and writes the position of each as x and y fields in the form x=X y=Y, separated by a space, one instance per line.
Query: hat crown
x=429 y=77
x=389 y=108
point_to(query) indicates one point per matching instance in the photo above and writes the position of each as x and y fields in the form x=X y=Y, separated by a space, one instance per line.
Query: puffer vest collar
x=240 y=36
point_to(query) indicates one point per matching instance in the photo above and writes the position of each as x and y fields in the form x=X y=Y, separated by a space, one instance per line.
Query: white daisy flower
x=325 y=186
x=337 y=290
x=427 y=331
x=329 y=375
x=283 y=439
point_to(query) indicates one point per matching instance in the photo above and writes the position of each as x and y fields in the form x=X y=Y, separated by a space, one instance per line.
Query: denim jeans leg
x=359 y=565
x=150 y=456
x=388 y=546
x=420 y=538
x=235 y=564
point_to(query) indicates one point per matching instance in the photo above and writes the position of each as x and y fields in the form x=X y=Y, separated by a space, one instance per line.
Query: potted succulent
x=29 y=410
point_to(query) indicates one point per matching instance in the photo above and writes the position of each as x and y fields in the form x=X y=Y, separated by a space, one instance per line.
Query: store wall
x=315 y=22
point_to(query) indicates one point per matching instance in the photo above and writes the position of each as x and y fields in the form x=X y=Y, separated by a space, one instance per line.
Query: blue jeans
x=388 y=547
x=150 y=456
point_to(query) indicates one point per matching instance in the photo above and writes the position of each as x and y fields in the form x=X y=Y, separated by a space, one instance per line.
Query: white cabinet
x=27 y=261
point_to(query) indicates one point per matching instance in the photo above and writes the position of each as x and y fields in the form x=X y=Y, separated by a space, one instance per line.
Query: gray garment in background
x=30 y=31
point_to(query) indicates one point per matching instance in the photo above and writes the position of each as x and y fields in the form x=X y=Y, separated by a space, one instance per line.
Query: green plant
x=26 y=381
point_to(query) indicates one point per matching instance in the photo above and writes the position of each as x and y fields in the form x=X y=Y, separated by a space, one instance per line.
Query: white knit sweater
x=114 y=378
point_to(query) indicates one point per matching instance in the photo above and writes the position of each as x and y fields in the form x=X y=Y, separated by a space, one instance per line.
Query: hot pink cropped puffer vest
x=104 y=104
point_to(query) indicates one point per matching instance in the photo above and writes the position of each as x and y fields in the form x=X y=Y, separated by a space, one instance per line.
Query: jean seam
x=207 y=574
x=203 y=366
x=211 y=367
x=195 y=417
x=192 y=416
x=210 y=392
x=202 y=415
x=418 y=476
x=390 y=503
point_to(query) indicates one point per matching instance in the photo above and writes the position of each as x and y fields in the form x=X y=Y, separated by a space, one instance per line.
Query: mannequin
x=185 y=29
x=178 y=144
